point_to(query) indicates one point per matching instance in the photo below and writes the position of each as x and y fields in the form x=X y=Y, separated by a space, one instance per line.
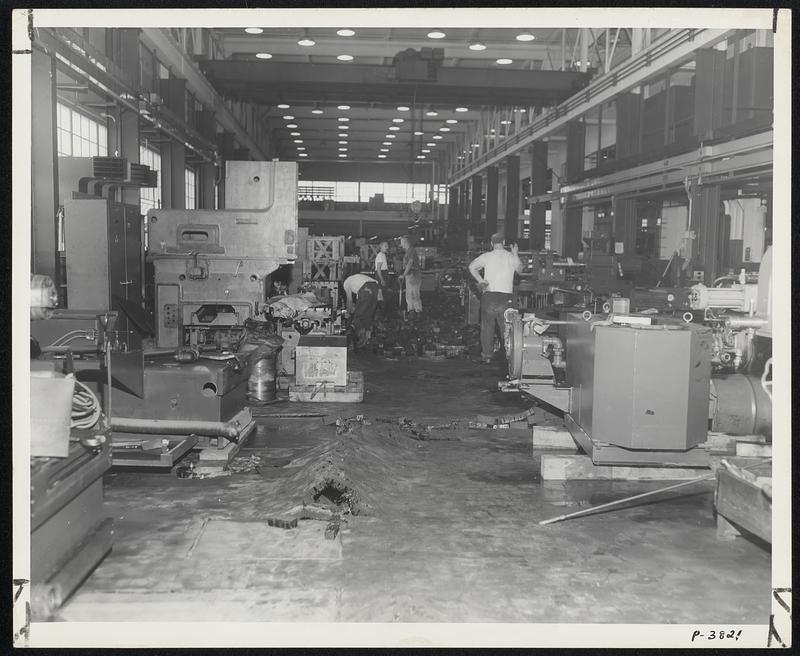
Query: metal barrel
x=261 y=386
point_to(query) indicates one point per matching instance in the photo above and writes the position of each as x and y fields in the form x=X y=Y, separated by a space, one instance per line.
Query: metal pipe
x=176 y=427
x=739 y=323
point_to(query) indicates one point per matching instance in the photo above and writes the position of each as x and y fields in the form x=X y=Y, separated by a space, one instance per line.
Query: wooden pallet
x=353 y=392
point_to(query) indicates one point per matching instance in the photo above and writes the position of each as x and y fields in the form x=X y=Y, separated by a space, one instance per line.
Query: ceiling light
x=424 y=150
x=317 y=110
x=344 y=127
x=298 y=141
x=253 y=30
x=301 y=148
x=420 y=156
x=306 y=42
x=283 y=106
x=382 y=156
x=291 y=126
x=263 y=55
x=504 y=60
x=475 y=145
x=462 y=109
x=343 y=119
x=444 y=129
x=343 y=107
x=431 y=112
x=402 y=108
x=505 y=122
x=342 y=154
x=477 y=46
x=393 y=128
x=384 y=150
x=386 y=143
x=345 y=32
x=525 y=36
x=294 y=134
x=343 y=143
x=436 y=34
x=437 y=136
x=391 y=136
x=431 y=145
x=302 y=154
x=343 y=134
x=344 y=57
x=343 y=150
x=398 y=120
x=418 y=133
x=451 y=121
x=288 y=117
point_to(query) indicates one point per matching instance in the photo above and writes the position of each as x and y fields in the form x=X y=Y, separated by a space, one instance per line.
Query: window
x=191 y=189
x=79 y=135
x=150 y=197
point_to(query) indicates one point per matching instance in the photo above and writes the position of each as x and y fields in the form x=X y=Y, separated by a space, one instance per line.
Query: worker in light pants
x=362 y=299
x=497 y=285
x=412 y=276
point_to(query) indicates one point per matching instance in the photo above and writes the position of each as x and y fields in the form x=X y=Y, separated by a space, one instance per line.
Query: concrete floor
x=446 y=529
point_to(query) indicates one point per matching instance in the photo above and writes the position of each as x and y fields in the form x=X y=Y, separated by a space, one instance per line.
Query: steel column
x=512 y=198
x=624 y=224
x=44 y=167
x=573 y=221
x=206 y=176
x=492 y=189
x=475 y=204
x=706 y=212
x=538 y=186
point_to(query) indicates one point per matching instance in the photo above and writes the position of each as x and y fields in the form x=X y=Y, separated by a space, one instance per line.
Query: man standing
x=362 y=310
x=381 y=271
x=412 y=276
x=497 y=285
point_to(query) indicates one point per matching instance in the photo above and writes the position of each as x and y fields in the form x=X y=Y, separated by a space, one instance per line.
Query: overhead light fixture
x=302 y=154
x=283 y=106
x=343 y=150
x=291 y=126
x=306 y=42
x=384 y=150
x=475 y=145
x=418 y=133
x=477 y=46
x=398 y=120
x=431 y=112
x=420 y=156
x=436 y=34
x=525 y=36
x=343 y=119
x=343 y=134
x=342 y=143
x=344 y=57
x=444 y=128
x=344 y=127
x=343 y=107
x=390 y=136
x=301 y=148
x=288 y=117
x=382 y=156
x=462 y=109
x=294 y=134
x=253 y=30
x=386 y=143
x=505 y=122
x=424 y=150
x=298 y=141
x=317 y=110
x=345 y=32
x=451 y=121
x=402 y=108
x=393 y=128
x=342 y=154
x=503 y=61
x=263 y=55
x=437 y=136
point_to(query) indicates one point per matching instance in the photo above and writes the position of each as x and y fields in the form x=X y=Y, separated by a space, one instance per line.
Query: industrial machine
x=637 y=388
x=548 y=280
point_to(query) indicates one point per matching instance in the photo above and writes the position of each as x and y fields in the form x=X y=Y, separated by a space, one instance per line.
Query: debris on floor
x=251 y=463
x=282 y=523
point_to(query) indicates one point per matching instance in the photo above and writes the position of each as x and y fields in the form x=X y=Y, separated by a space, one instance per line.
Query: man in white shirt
x=497 y=285
x=361 y=292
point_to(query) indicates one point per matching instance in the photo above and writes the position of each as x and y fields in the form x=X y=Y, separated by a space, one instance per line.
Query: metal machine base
x=603 y=453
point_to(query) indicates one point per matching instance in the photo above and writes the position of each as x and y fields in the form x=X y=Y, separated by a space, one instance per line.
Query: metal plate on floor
x=220 y=539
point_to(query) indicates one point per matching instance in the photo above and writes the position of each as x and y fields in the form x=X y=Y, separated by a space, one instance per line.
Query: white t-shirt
x=380 y=262
x=499 y=266
x=355 y=282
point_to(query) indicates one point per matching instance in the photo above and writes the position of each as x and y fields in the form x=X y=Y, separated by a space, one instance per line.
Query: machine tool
x=547 y=280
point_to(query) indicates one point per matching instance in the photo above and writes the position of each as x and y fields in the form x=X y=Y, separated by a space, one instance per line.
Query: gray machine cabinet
x=641 y=387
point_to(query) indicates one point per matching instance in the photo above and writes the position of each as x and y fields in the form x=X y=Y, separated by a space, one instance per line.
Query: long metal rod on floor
x=587 y=511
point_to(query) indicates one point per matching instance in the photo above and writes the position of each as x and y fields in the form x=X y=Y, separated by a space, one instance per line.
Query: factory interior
x=280 y=393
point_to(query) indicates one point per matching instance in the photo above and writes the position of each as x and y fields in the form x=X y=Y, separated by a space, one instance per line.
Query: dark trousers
x=493 y=305
x=364 y=311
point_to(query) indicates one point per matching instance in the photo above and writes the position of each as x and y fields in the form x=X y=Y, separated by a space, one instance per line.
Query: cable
x=85 y=407
x=71 y=335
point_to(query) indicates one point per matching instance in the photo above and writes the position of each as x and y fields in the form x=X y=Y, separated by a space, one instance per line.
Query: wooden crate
x=742 y=504
x=321 y=359
x=352 y=392
x=325 y=248
x=322 y=271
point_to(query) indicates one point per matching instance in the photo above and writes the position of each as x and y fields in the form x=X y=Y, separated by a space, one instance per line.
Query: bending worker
x=362 y=309
x=497 y=285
